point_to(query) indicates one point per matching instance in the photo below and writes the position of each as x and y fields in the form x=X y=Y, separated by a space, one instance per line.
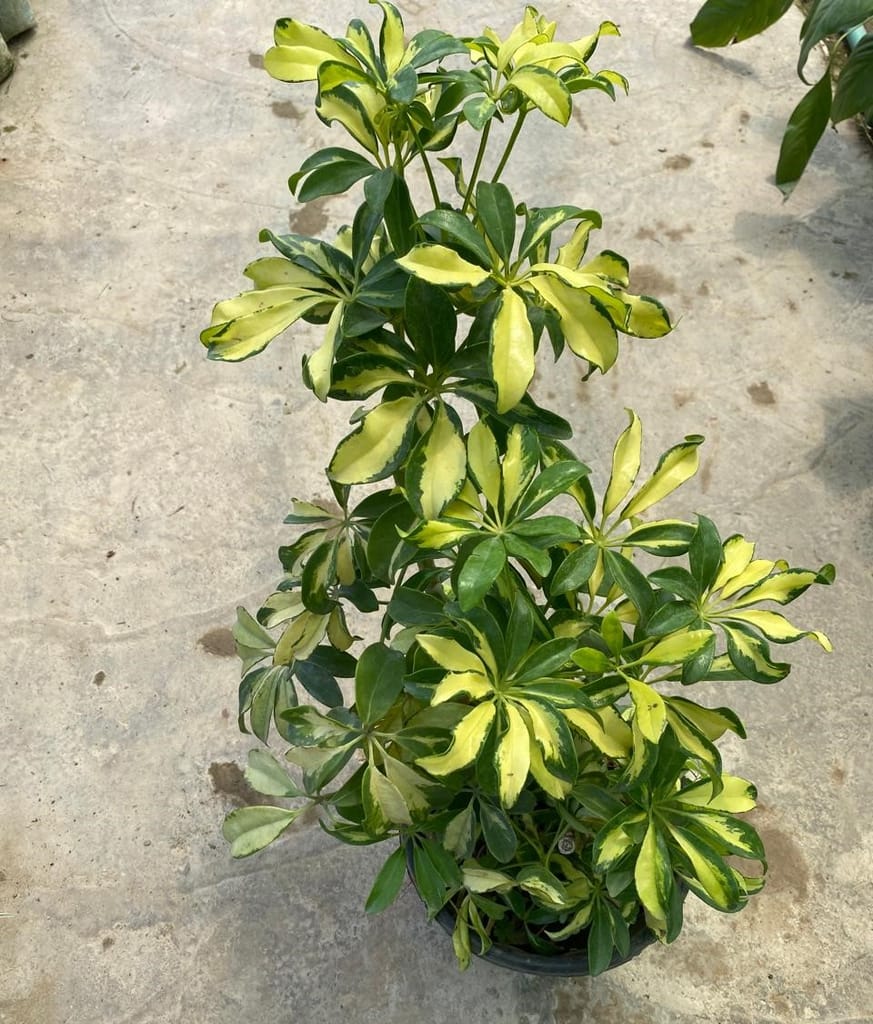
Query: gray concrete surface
x=143 y=490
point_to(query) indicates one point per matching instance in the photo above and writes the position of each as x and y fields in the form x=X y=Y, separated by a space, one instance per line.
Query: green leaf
x=267 y=776
x=497 y=830
x=411 y=607
x=576 y=569
x=388 y=883
x=554 y=480
x=459 y=230
x=721 y=22
x=830 y=18
x=495 y=210
x=511 y=350
x=479 y=572
x=249 y=829
x=805 y=127
x=379 y=444
x=705 y=554
x=479 y=111
x=630 y=580
x=378 y=682
x=854 y=94
x=600 y=946
x=400 y=216
x=329 y=172
x=431 y=322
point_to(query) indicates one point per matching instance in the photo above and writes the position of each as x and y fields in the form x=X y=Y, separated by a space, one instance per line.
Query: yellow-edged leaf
x=613 y=737
x=343 y=105
x=520 y=464
x=450 y=655
x=738 y=552
x=555 y=787
x=439 y=265
x=484 y=462
x=677 y=647
x=776 y=627
x=512 y=350
x=652 y=874
x=625 y=464
x=651 y=712
x=676 y=466
x=589 y=332
x=513 y=756
x=437 y=468
x=276 y=270
x=320 y=363
x=245 y=325
x=374 y=449
x=736 y=795
x=467 y=739
x=753 y=573
x=545 y=90
x=299 y=50
x=474 y=684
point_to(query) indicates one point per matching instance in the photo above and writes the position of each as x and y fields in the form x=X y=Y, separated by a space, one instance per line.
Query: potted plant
x=512 y=725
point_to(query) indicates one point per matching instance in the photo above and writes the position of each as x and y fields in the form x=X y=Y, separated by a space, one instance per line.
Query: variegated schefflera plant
x=517 y=725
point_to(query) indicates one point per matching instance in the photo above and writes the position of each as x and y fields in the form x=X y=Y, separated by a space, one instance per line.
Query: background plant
x=516 y=723
x=723 y=22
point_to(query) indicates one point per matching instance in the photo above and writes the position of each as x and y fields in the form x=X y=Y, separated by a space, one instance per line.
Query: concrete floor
x=143 y=491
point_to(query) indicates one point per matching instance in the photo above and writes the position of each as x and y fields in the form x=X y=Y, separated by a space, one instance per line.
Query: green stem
x=510 y=145
x=476 y=167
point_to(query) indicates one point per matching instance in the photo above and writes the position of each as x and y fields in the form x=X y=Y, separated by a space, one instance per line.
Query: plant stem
x=476 y=166
x=510 y=145
x=427 y=170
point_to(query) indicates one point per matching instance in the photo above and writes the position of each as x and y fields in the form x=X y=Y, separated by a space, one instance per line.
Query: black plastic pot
x=571 y=964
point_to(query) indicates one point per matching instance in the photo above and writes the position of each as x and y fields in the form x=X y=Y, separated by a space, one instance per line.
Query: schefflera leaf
x=436 y=467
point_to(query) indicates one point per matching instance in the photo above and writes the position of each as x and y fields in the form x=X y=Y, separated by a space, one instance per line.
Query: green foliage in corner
x=724 y=22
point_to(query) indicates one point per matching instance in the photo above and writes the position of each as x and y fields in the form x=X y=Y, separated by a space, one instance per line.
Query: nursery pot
x=573 y=963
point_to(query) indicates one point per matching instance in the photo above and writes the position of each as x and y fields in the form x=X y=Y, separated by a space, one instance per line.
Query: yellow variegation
x=299 y=51
x=677 y=466
x=467 y=740
x=651 y=713
x=372 y=451
x=625 y=464
x=441 y=266
x=449 y=654
x=453 y=684
x=245 y=325
x=512 y=350
x=513 y=756
x=484 y=462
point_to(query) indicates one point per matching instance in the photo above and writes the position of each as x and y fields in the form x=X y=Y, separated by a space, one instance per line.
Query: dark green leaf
x=675 y=579
x=575 y=571
x=854 y=93
x=721 y=22
x=497 y=830
x=600 y=943
x=388 y=883
x=830 y=18
x=378 y=682
x=540 y=561
x=669 y=617
x=370 y=214
x=329 y=172
x=400 y=216
x=318 y=682
x=805 y=127
x=698 y=667
x=496 y=212
x=479 y=571
x=431 y=322
x=414 y=608
x=630 y=580
x=431 y=44
x=705 y=554
x=554 y=480
x=545 y=660
x=454 y=226
x=519 y=631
